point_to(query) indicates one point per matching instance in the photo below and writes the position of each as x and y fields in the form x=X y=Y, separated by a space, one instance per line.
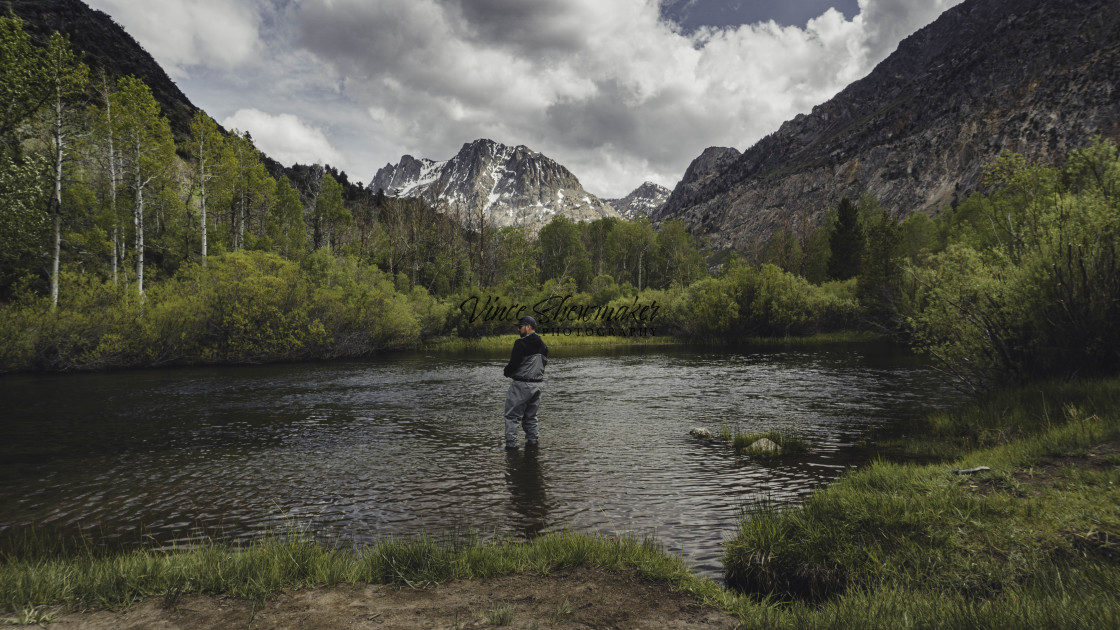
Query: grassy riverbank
x=504 y=342
x=1032 y=542
x=35 y=580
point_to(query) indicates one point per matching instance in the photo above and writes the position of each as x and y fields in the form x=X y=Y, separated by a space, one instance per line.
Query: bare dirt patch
x=1048 y=469
x=577 y=598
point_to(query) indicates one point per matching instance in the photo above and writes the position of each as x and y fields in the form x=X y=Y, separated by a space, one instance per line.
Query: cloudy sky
x=619 y=91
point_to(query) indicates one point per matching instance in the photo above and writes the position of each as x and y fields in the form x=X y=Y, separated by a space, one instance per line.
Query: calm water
x=362 y=450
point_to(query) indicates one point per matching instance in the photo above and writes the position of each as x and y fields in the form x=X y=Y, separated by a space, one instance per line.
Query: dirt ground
x=578 y=598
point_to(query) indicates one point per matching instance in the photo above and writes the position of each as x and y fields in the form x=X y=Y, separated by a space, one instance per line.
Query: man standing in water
x=526 y=368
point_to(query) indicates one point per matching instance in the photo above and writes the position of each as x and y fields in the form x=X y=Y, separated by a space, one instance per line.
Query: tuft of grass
x=725 y=432
x=501 y=615
x=31 y=615
x=788 y=444
x=563 y=611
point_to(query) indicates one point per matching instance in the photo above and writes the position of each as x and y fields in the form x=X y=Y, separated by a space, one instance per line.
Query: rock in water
x=764 y=445
x=700 y=434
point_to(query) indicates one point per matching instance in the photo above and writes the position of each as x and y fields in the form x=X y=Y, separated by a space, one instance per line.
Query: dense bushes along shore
x=247 y=307
x=1018 y=283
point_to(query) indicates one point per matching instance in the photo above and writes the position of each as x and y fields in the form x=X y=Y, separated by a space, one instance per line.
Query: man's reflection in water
x=526 y=489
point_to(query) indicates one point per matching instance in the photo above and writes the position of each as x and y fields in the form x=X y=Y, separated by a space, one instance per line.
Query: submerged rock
x=700 y=433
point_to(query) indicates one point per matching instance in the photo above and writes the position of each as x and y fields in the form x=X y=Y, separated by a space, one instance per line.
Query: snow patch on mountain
x=499 y=184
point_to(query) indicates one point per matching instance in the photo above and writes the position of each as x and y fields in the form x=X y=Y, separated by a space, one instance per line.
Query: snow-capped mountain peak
x=499 y=184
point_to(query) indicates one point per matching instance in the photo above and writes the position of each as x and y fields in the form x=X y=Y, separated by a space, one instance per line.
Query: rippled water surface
x=394 y=446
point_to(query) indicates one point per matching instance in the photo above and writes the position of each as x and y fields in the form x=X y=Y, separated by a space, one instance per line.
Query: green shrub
x=1030 y=286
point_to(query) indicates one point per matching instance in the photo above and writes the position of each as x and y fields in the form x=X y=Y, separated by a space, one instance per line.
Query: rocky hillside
x=699 y=174
x=1034 y=76
x=503 y=185
x=646 y=199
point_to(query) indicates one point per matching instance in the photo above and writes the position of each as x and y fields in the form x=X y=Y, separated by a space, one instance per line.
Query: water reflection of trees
x=527 y=489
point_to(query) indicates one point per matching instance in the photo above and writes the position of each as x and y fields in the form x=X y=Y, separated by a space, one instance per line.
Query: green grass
x=725 y=432
x=1034 y=542
x=818 y=339
x=501 y=615
x=505 y=342
x=31 y=615
x=1005 y=416
x=788 y=444
x=30 y=580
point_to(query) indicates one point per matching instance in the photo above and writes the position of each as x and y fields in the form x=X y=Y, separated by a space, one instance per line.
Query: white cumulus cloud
x=285 y=138
x=610 y=89
x=607 y=88
x=185 y=33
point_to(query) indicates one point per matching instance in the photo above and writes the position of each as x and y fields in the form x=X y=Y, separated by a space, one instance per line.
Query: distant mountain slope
x=702 y=170
x=505 y=185
x=646 y=199
x=1033 y=76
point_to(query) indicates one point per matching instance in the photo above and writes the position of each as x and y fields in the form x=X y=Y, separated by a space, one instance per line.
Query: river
x=357 y=450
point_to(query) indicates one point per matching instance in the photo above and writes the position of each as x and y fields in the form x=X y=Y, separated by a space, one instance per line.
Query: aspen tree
x=67 y=77
x=206 y=145
x=148 y=150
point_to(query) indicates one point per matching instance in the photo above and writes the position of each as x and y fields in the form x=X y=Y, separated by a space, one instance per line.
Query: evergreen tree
x=845 y=242
x=878 y=287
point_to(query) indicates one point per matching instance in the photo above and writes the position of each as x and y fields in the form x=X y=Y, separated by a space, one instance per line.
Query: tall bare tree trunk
x=111 y=156
x=138 y=222
x=56 y=202
x=202 y=203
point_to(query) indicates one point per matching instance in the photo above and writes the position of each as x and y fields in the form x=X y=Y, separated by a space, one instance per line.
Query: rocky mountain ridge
x=646 y=200
x=1033 y=76
x=496 y=183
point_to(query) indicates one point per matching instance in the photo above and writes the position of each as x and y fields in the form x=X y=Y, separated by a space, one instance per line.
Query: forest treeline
x=122 y=244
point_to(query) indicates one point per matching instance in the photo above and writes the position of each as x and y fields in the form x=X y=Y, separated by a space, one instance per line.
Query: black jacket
x=527 y=361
